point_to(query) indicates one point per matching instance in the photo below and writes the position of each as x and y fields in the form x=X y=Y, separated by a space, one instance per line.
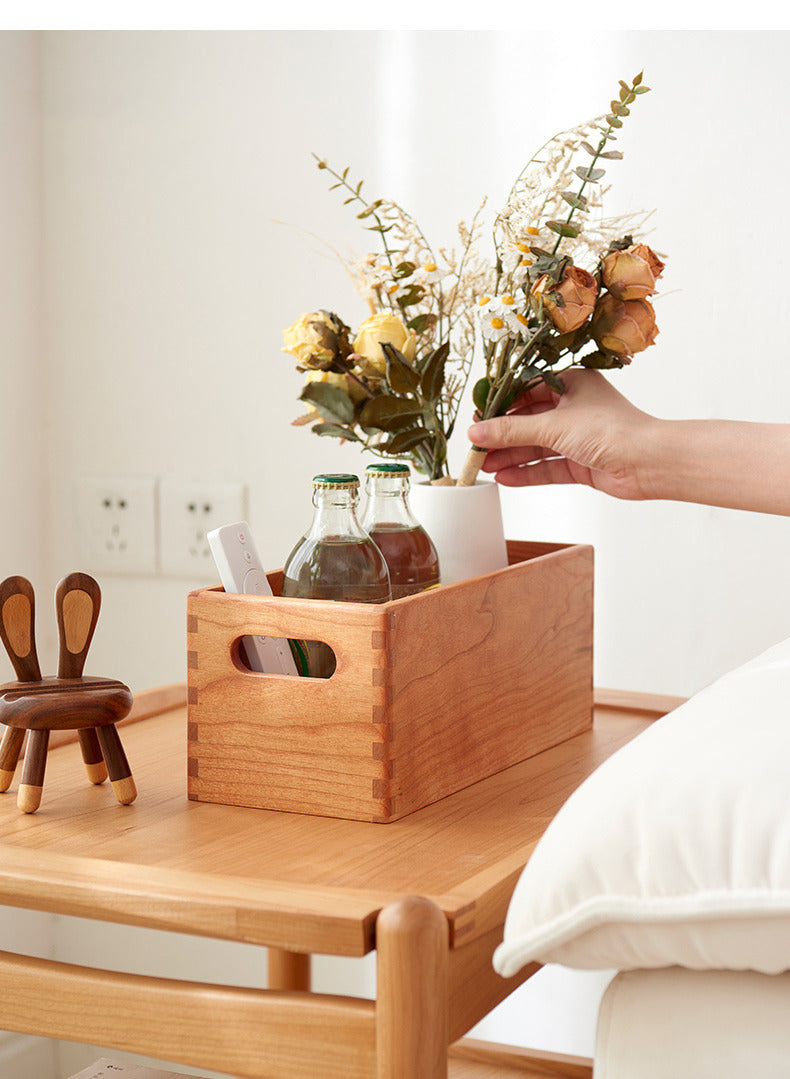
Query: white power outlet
x=188 y=509
x=116 y=523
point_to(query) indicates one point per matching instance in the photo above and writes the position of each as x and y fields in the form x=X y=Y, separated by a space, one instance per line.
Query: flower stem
x=358 y=198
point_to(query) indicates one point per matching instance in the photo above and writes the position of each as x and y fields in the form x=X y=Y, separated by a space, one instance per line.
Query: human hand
x=591 y=434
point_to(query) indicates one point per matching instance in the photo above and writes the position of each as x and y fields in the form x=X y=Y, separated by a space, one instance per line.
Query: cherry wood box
x=431 y=693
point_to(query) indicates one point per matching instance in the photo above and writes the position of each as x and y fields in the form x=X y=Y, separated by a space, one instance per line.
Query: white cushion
x=709 y=1024
x=676 y=851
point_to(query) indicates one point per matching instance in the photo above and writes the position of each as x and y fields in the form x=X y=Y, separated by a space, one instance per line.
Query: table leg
x=288 y=970
x=412 y=942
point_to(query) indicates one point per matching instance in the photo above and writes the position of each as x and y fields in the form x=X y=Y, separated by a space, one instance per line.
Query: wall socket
x=188 y=509
x=116 y=523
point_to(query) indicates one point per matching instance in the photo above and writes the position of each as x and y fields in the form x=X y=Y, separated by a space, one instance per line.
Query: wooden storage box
x=431 y=692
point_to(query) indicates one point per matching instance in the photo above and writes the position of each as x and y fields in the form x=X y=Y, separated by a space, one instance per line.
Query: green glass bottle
x=407 y=548
x=335 y=559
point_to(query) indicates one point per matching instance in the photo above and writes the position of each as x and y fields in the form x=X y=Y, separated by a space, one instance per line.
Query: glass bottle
x=336 y=559
x=408 y=549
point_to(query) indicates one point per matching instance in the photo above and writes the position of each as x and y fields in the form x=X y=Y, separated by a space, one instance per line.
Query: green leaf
x=620 y=110
x=421 y=323
x=548 y=351
x=405 y=440
x=637 y=79
x=612 y=155
x=335 y=431
x=480 y=392
x=601 y=360
x=641 y=89
x=332 y=403
x=527 y=373
x=413 y=294
x=614 y=121
x=553 y=381
x=401 y=375
x=390 y=413
x=590 y=150
x=590 y=175
x=562 y=228
x=432 y=375
x=578 y=202
x=404 y=269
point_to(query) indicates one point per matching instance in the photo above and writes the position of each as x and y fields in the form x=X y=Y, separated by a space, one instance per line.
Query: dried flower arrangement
x=395 y=386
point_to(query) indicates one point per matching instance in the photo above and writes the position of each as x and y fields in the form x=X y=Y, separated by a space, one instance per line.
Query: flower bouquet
x=566 y=288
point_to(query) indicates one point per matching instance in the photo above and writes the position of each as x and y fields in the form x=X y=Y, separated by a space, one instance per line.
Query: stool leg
x=117 y=764
x=32 y=782
x=92 y=755
x=10 y=748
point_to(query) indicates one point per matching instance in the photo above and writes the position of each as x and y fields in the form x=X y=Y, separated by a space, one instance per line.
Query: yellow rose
x=632 y=274
x=310 y=340
x=383 y=328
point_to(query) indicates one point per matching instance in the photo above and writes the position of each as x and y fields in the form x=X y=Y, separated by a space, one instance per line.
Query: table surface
x=308 y=884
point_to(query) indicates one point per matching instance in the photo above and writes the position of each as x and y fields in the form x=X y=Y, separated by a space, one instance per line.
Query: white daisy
x=493 y=322
x=427 y=272
x=509 y=311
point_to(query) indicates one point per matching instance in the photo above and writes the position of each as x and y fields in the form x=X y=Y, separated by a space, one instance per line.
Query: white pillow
x=676 y=851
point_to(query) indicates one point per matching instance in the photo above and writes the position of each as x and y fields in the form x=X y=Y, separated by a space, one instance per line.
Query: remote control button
x=248 y=556
x=242 y=537
x=254 y=583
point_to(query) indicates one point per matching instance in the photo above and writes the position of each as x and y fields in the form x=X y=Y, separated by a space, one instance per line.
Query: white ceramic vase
x=465 y=524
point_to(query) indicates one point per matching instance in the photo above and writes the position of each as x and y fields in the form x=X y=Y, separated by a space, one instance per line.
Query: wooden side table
x=429 y=893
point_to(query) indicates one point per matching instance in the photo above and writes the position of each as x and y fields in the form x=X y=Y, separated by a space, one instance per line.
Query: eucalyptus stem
x=598 y=151
x=358 y=198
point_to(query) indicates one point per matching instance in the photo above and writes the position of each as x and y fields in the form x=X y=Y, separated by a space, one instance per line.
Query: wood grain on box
x=431 y=693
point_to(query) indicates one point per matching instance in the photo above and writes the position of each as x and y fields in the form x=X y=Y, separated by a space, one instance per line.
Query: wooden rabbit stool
x=91 y=706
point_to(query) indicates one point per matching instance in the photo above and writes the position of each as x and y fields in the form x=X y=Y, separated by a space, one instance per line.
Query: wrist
x=663 y=464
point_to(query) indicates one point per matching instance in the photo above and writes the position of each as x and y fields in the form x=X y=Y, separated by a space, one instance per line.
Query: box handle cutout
x=312 y=659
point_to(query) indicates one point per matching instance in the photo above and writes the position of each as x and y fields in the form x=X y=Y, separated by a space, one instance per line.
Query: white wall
x=23 y=423
x=23 y=397
x=184 y=223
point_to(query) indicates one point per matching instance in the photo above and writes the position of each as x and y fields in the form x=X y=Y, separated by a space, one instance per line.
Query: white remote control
x=240 y=570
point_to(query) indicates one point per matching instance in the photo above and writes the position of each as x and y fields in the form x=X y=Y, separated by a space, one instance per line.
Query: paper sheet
x=113 y=1069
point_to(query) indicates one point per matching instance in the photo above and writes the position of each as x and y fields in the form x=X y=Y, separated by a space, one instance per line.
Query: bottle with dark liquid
x=408 y=549
x=336 y=559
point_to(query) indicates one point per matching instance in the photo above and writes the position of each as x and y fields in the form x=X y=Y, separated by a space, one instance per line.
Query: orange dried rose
x=623 y=326
x=632 y=274
x=578 y=290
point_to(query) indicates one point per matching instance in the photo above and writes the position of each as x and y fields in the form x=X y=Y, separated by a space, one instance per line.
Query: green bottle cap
x=337 y=480
x=388 y=470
